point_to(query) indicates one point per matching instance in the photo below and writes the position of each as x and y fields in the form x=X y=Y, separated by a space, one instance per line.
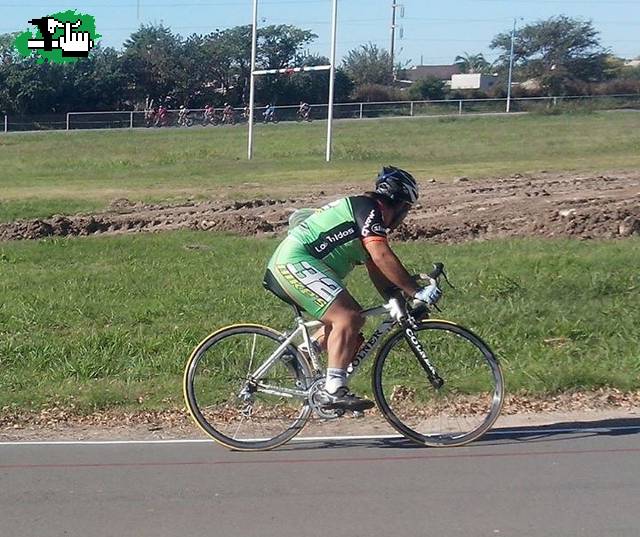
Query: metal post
x=6 y=123
x=513 y=38
x=68 y=120
x=332 y=76
x=393 y=35
x=411 y=110
x=460 y=107
x=131 y=121
x=254 y=45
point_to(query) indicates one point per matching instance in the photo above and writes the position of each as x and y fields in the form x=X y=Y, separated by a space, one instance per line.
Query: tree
x=368 y=65
x=152 y=60
x=8 y=52
x=158 y=64
x=313 y=87
x=430 y=88
x=472 y=63
x=279 y=47
x=224 y=60
x=556 y=52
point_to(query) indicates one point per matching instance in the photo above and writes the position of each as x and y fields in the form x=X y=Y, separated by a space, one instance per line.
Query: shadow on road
x=499 y=436
x=560 y=430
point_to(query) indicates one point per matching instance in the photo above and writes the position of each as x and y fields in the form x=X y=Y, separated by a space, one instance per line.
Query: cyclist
x=228 y=114
x=308 y=266
x=304 y=111
x=161 y=116
x=270 y=113
x=182 y=115
x=209 y=112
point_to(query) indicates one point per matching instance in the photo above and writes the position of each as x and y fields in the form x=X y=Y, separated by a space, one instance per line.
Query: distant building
x=472 y=81
x=632 y=63
x=421 y=72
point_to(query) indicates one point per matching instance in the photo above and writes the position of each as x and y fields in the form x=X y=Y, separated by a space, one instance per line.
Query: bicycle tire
x=415 y=408
x=224 y=414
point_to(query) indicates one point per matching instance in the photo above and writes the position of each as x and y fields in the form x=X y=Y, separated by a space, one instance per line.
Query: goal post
x=290 y=70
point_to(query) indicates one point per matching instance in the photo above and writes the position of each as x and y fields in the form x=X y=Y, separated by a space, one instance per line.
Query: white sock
x=336 y=379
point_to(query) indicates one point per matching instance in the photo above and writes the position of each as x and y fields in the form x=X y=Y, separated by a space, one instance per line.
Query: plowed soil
x=545 y=205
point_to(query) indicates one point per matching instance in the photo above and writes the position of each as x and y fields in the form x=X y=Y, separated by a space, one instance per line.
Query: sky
x=428 y=31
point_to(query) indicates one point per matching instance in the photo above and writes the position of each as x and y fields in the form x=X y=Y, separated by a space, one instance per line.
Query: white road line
x=502 y=432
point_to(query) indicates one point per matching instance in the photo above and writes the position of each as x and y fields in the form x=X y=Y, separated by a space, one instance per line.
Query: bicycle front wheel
x=467 y=404
x=236 y=410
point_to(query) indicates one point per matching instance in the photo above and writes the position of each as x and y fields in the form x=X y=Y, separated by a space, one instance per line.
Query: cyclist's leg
x=343 y=321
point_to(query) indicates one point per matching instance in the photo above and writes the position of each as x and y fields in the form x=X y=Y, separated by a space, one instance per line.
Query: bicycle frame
x=303 y=330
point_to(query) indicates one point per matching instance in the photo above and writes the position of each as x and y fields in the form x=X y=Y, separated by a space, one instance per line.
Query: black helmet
x=397 y=185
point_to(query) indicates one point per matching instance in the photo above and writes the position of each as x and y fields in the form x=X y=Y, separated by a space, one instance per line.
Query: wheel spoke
x=220 y=396
x=463 y=409
x=253 y=351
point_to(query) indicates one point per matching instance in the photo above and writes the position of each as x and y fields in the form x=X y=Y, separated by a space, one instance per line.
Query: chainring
x=315 y=406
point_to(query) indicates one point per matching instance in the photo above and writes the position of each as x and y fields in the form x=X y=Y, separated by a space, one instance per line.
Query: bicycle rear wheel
x=235 y=410
x=463 y=409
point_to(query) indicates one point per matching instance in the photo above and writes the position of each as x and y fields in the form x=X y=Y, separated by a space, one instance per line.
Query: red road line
x=316 y=461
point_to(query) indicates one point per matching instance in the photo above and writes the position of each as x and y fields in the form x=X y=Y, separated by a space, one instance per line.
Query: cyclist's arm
x=388 y=264
x=380 y=282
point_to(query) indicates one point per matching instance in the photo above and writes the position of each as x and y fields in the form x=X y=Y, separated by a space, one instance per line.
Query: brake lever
x=446 y=279
x=428 y=277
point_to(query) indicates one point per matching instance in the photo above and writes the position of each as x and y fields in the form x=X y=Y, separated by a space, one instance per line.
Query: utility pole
x=394 y=6
x=513 y=38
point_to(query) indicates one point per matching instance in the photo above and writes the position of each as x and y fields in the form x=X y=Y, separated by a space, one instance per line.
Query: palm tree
x=472 y=63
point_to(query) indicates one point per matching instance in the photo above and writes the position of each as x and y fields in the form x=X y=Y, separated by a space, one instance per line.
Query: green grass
x=107 y=321
x=48 y=173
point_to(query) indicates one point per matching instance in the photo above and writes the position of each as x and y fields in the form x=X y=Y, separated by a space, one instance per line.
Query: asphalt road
x=558 y=481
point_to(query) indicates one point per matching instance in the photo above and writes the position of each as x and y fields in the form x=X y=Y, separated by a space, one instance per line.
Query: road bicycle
x=253 y=388
x=229 y=117
x=304 y=116
x=184 y=120
x=210 y=118
x=270 y=118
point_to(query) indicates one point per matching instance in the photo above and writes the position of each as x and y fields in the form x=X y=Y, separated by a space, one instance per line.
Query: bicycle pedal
x=358 y=414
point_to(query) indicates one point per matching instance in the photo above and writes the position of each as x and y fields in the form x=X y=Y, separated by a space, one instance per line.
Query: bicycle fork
x=421 y=355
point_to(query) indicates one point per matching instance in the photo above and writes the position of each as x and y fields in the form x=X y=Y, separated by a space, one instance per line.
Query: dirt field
x=546 y=205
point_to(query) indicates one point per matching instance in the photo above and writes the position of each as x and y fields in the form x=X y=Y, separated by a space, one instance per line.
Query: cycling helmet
x=397 y=185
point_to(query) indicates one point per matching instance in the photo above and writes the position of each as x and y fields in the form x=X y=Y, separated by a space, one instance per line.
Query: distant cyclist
x=183 y=116
x=309 y=265
x=304 y=111
x=161 y=116
x=270 y=113
x=228 y=114
x=209 y=114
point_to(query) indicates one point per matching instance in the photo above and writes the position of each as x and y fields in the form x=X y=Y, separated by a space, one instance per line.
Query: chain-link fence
x=365 y=110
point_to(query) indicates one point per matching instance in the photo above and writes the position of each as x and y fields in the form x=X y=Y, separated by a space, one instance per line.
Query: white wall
x=472 y=81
